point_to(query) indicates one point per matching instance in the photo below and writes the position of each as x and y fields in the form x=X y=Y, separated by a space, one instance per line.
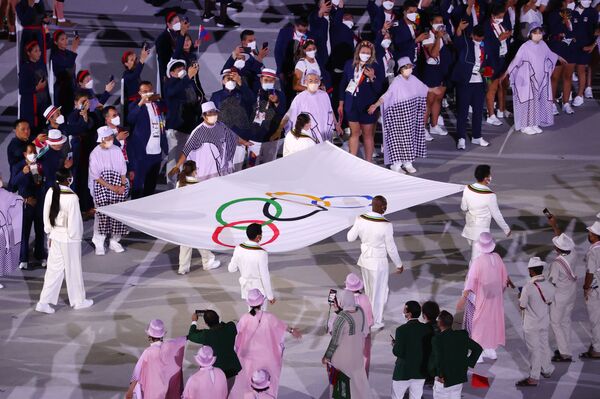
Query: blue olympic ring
x=368 y=197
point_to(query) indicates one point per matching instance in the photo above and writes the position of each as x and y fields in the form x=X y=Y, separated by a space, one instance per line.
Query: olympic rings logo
x=317 y=204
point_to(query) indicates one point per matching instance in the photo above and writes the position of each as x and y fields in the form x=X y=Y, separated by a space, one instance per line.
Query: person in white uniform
x=252 y=261
x=591 y=290
x=561 y=275
x=299 y=138
x=534 y=300
x=481 y=205
x=64 y=227
x=376 y=234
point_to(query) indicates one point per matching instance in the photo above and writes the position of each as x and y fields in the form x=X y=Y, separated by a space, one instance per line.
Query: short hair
x=245 y=33
x=434 y=16
x=253 y=231
x=301 y=21
x=19 y=121
x=498 y=8
x=537 y=270
x=211 y=318
x=478 y=31
x=144 y=82
x=431 y=310
x=413 y=308
x=446 y=319
x=409 y=3
x=482 y=171
x=106 y=110
x=79 y=94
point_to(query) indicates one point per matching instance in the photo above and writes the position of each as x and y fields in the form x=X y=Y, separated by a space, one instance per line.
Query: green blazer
x=412 y=344
x=450 y=356
x=221 y=339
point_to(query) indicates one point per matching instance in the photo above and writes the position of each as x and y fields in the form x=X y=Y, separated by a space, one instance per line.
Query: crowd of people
x=74 y=151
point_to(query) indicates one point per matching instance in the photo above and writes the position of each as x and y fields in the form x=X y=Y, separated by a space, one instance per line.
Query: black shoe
x=235 y=5
x=227 y=23
x=12 y=38
x=207 y=16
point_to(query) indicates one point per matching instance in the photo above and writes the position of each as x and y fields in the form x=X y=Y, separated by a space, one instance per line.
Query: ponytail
x=301 y=121
x=62 y=175
x=187 y=169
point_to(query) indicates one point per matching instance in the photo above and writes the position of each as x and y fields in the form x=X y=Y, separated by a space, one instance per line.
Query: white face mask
x=30 y=157
x=406 y=72
x=181 y=74
x=586 y=3
x=385 y=43
x=116 y=120
x=211 y=119
x=412 y=16
x=388 y=5
x=571 y=6
x=268 y=86
x=108 y=144
x=349 y=24
x=364 y=57
x=489 y=179
x=537 y=37
x=252 y=45
x=230 y=85
x=60 y=120
x=239 y=64
x=312 y=87
x=335 y=2
x=177 y=27
x=437 y=26
x=311 y=54
x=89 y=84
x=306 y=132
x=498 y=20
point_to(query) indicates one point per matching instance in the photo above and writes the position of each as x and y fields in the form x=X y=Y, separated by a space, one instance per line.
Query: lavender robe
x=215 y=158
x=11 y=223
x=103 y=159
x=318 y=107
x=206 y=383
x=530 y=72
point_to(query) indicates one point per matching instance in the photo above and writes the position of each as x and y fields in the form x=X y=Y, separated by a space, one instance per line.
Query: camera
x=332 y=297
x=547 y=213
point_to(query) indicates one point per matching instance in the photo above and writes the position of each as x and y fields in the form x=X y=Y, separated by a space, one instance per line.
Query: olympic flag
x=300 y=199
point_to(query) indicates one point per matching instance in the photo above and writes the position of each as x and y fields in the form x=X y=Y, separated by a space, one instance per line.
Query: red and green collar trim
x=479 y=190
x=251 y=247
x=374 y=218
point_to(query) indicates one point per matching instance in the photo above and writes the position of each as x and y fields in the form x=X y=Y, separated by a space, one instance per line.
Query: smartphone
x=111 y=78
x=547 y=213
x=265 y=44
x=145 y=45
x=331 y=297
x=426 y=29
x=69 y=156
x=200 y=312
x=246 y=50
x=76 y=34
x=520 y=289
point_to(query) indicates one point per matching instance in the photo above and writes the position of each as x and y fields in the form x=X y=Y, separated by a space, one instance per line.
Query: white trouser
x=475 y=252
x=64 y=260
x=453 y=392
x=376 y=288
x=185 y=258
x=175 y=140
x=414 y=387
x=561 y=310
x=538 y=346
x=593 y=308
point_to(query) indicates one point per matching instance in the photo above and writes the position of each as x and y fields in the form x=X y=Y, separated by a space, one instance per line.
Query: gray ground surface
x=91 y=353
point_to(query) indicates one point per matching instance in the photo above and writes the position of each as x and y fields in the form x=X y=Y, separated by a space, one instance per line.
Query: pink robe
x=206 y=383
x=259 y=345
x=487 y=279
x=158 y=371
x=363 y=301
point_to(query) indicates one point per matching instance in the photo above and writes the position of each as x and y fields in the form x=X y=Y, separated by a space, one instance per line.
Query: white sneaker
x=490 y=354
x=554 y=109
x=397 y=167
x=213 y=264
x=437 y=129
x=427 y=136
x=23 y=265
x=587 y=93
x=567 y=109
x=1 y=286
x=461 y=144
x=445 y=103
x=182 y=271
x=480 y=141
x=578 y=101
x=440 y=120
x=99 y=246
x=575 y=78
x=529 y=130
x=44 y=308
x=470 y=109
x=537 y=129
x=408 y=167
x=115 y=246
x=377 y=326
x=493 y=120
x=503 y=114
x=83 y=305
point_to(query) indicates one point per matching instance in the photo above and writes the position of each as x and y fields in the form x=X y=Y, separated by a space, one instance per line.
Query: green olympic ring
x=219 y=214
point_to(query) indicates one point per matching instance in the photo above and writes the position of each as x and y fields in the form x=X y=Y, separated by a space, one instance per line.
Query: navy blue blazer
x=165 y=45
x=368 y=91
x=131 y=82
x=463 y=67
x=460 y=12
x=177 y=95
x=136 y=143
x=319 y=27
x=342 y=44
x=284 y=49
x=404 y=43
x=249 y=72
x=492 y=48
x=377 y=15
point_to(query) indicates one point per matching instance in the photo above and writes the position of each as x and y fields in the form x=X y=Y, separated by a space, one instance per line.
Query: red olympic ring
x=218 y=230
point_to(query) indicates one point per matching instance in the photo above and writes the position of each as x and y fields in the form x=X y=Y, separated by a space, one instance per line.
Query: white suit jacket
x=253 y=263
x=481 y=205
x=376 y=234
x=68 y=223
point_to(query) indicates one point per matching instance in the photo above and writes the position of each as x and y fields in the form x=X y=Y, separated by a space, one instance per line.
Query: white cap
x=55 y=137
x=172 y=63
x=268 y=72
x=595 y=228
x=403 y=61
x=209 y=106
x=535 y=262
x=103 y=132
x=563 y=242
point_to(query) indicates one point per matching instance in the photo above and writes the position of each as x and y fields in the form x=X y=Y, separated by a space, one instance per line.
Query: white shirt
x=481 y=205
x=533 y=15
x=156 y=129
x=476 y=74
x=561 y=273
x=292 y=144
x=303 y=65
x=377 y=241
x=536 y=312
x=68 y=225
x=498 y=30
x=253 y=263
x=592 y=263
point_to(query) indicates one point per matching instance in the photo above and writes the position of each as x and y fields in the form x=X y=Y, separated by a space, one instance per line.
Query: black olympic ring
x=268 y=215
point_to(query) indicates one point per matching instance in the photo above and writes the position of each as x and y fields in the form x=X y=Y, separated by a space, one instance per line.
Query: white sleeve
x=353 y=232
x=524 y=299
x=47 y=204
x=74 y=221
x=301 y=65
x=390 y=246
x=495 y=211
x=463 y=203
x=265 y=276
x=233 y=263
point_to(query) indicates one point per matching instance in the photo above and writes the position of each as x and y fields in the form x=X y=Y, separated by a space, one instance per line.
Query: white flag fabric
x=300 y=199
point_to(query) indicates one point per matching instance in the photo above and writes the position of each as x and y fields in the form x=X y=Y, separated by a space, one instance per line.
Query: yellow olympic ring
x=310 y=197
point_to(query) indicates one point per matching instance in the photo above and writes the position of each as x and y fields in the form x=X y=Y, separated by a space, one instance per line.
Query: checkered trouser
x=404 y=131
x=102 y=197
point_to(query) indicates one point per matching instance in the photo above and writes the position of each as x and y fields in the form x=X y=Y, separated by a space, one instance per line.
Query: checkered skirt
x=469 y=313
x=404 y=131
x=103 y=196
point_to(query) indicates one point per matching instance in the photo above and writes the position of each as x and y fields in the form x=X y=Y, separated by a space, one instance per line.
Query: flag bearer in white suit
x=591 y=289
x=377 y=242
x=535 y=300
x=253 y=263
x=561 y=274
x=481 y=205
x=64 y=227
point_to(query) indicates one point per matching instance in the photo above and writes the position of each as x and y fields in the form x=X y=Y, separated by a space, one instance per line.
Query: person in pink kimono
x=484 y=293
x=157 y=373
x=259 y=345
x=208 y=382
x=355 y=285
x=260 y=384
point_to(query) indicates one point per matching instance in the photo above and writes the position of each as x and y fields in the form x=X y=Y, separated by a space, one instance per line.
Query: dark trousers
x=146 y=177
x=33 y=215
x=472 y=94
